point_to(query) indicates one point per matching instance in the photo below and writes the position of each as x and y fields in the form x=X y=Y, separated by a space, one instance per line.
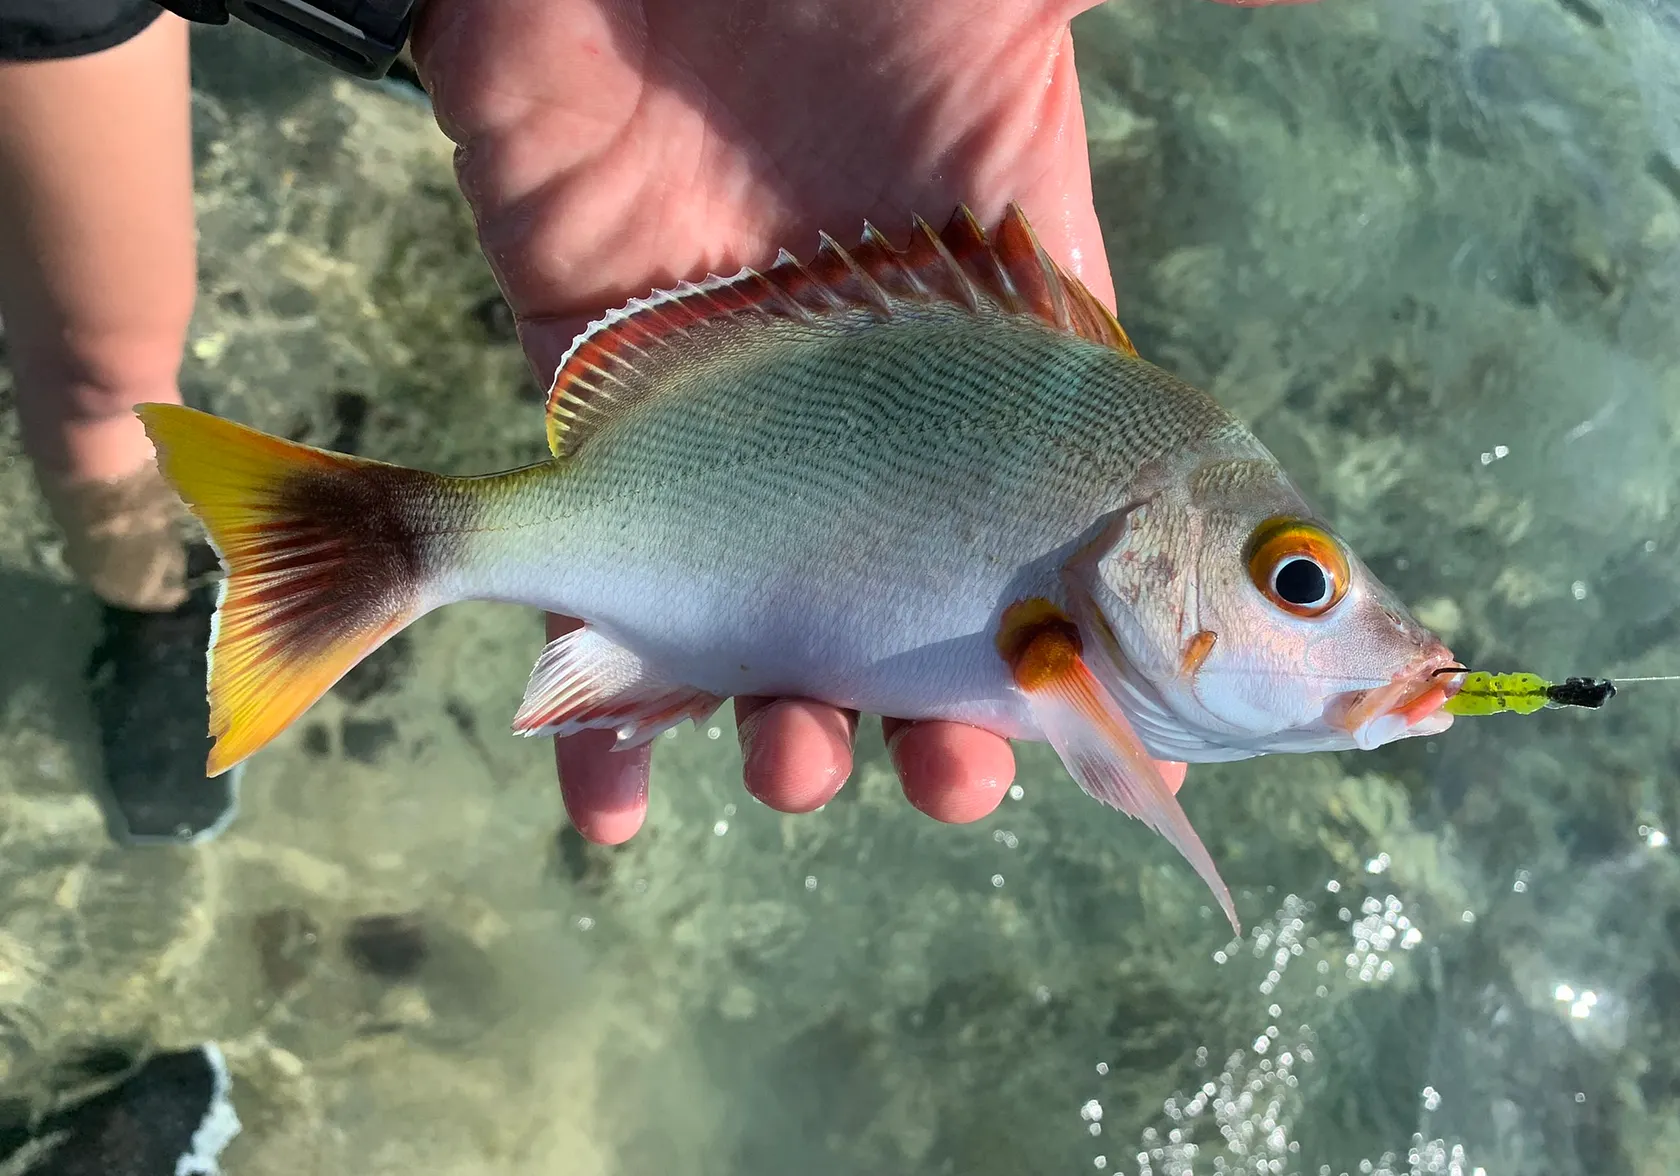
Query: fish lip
x=1409 y=705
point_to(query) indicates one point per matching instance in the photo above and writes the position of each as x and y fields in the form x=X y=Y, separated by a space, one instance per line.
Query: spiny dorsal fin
x=606 y=369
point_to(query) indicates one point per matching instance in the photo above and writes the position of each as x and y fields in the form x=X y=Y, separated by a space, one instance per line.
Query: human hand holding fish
x=927 y=475
x=610 y=149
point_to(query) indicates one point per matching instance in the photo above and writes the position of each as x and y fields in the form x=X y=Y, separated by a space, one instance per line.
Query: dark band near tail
x=327 y=557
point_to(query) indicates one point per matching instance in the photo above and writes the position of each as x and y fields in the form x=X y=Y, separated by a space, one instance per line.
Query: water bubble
x=810 y=881
x=714 y=732
x=720 y=828
x=997 y=880
x=1016 y=792
x=1102 y=1067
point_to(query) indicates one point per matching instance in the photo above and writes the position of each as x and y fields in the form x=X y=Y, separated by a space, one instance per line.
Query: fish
x=934 y=481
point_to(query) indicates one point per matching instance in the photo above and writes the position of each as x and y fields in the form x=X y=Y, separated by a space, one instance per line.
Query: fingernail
x=746 y=735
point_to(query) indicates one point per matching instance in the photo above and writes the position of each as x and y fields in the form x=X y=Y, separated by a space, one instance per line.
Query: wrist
x=360 y=37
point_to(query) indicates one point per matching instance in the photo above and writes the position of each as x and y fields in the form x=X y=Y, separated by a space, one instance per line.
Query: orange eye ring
x=1298 y=566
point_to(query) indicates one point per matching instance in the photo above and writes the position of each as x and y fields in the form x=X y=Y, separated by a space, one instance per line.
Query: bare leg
x=97 y=276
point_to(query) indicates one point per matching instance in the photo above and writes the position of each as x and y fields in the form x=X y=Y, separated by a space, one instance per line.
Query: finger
x=952 y=772
x=795 y=754
x=605 y=791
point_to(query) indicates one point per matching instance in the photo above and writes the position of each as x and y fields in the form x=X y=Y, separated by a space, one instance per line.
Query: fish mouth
x=1409 y=705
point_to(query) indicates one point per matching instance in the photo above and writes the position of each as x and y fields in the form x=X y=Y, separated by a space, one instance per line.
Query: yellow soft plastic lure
x=1482 y=693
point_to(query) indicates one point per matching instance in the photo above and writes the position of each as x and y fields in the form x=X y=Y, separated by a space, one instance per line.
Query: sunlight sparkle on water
x=1242 y=1117
x=1581 y=1004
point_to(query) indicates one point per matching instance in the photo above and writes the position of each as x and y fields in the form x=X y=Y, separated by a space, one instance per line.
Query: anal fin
x=584 y=681
x=1097 y=745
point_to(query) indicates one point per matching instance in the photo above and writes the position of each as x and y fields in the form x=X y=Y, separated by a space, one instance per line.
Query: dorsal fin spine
x=978 y=260
x=961 y=283
x=870 y=288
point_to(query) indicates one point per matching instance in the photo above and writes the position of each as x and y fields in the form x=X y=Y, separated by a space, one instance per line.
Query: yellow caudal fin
x=327 y=556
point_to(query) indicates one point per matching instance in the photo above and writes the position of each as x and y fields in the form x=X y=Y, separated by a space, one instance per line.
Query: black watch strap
x=361 y=37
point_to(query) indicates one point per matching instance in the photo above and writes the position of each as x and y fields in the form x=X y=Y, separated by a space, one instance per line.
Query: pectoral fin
x=1092 y=735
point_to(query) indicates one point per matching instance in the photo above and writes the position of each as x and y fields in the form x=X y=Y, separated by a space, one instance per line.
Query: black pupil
x=1301 y=582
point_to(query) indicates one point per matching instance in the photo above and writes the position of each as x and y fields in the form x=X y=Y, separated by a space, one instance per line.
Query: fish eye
x=1299 y=567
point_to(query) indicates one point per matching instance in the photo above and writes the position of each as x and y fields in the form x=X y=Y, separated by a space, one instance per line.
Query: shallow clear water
x=1430 y=249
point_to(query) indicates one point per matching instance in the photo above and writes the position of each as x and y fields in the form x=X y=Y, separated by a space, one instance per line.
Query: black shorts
x=41 y=30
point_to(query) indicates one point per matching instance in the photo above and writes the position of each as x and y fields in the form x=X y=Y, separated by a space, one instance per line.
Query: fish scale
x=867 y=452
